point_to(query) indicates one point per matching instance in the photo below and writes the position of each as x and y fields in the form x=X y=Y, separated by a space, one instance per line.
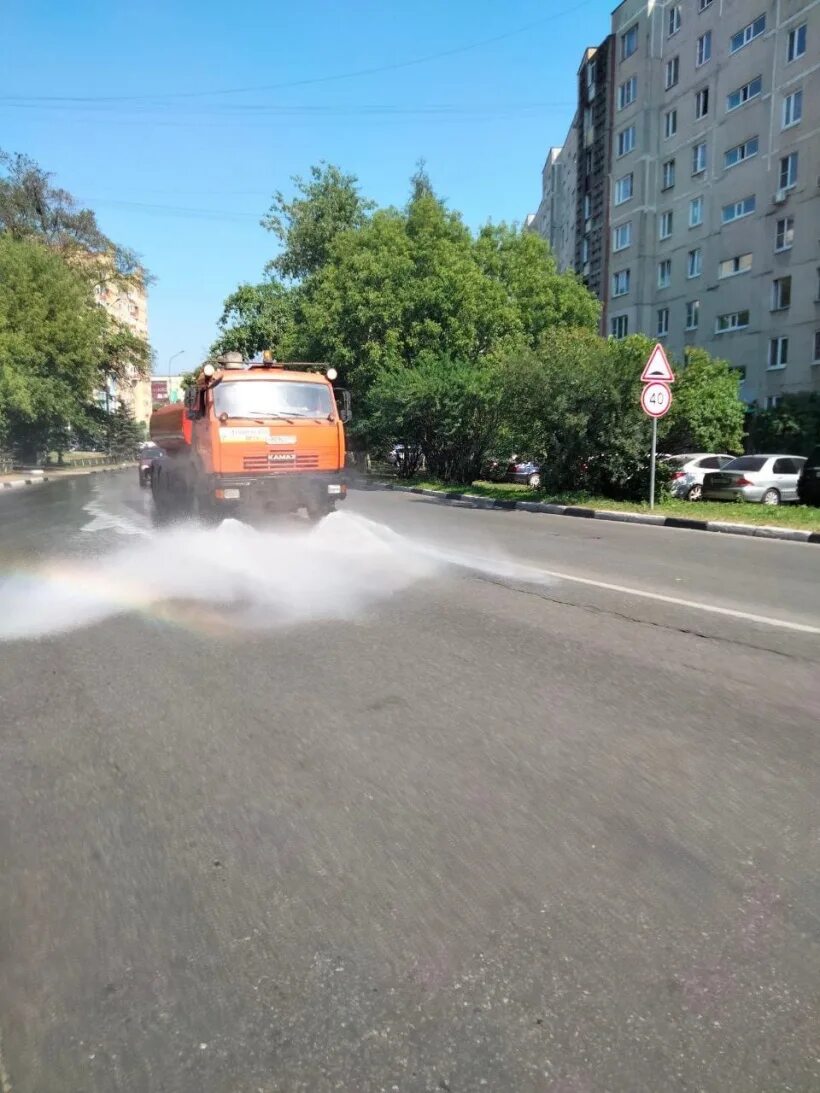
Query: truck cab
x=253 y=435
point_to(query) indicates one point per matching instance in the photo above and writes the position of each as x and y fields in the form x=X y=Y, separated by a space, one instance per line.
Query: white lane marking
x=658 y=597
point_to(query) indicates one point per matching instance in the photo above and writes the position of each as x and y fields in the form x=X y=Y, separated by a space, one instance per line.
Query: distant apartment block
x=129 y=305
x=696 y=152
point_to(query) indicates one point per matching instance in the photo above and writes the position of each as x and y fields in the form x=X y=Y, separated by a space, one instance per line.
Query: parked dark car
x=808 y=484
x=146 y=457
x=522 y=471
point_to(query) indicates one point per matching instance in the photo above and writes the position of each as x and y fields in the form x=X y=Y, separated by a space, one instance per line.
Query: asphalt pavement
x=425 y=798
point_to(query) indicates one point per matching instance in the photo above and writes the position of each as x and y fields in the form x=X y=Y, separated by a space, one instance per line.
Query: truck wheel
x=317 y=513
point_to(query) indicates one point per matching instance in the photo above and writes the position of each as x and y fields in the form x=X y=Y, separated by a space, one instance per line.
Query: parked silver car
x=688 y=472
x=769 y=479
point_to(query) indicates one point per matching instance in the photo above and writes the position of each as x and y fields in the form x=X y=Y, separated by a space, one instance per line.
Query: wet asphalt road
x=484 y=833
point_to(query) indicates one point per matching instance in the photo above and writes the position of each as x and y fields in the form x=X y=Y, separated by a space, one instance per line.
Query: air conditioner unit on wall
x=780 y=197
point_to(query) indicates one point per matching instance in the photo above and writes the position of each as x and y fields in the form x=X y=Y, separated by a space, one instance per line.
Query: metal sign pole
x=652 y=465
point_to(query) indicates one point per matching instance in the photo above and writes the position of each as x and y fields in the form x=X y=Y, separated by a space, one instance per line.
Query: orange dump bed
x=170 y=427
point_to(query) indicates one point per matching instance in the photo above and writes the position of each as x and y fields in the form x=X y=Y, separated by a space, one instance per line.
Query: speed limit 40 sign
x=656 y=398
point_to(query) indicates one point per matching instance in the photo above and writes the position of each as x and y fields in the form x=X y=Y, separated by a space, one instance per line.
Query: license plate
x=282 y=457
x=721 y=480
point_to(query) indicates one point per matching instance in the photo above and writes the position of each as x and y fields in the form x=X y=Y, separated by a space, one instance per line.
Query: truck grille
x=255 y=462
x=304 y=462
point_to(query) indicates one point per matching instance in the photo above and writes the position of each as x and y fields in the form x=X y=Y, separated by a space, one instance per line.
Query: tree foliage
x=791 y=426
x=256 y=317
x=326 y=203
x=57 y=346
x=450 y=410
x=51 y=336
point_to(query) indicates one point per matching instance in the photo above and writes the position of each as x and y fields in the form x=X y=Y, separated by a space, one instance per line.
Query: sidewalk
x=51 y=474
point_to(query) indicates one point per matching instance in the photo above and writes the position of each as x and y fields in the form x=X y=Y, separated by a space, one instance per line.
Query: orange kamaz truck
x=252 y=436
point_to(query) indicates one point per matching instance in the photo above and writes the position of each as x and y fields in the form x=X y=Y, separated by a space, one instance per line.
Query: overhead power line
x=370 y=71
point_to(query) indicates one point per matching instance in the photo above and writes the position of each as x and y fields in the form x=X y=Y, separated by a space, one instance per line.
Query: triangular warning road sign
x=657 y=367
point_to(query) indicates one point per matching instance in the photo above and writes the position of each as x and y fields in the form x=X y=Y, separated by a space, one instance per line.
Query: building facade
x=712 y=208
x=129 y=305
x=556 y=217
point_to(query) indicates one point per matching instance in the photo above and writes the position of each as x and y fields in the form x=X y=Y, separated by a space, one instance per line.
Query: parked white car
x=770 y=479
x=688 y=472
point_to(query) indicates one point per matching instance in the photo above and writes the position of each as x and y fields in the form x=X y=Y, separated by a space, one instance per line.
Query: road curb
x=757 y=531
x=40 y=478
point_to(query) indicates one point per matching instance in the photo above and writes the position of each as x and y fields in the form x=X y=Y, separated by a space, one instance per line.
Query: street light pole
x=173 y=357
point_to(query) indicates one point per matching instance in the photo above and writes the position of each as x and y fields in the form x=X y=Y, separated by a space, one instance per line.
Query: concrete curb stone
x=792 y=535
x=40 y=478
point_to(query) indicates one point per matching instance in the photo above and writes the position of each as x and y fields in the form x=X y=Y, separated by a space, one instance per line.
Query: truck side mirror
x=343 y=404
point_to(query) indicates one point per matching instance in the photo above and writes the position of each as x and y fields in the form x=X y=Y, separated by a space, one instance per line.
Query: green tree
x=51 y=346
x=707 y=414
x=327 y=203
x=449 y=409
x=574 y=405
x=31 y=207
x=791 y=426
x=257 y=317
x=522 y=265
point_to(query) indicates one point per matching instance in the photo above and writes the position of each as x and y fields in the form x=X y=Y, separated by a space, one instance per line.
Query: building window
x=668 y=175
x=629 y=42
x=591 y=70
x=587 y=207
x=702 y=103
x=784 y=234
x=740 y=152
x=622 y=236
x=781 y=293
x=796 y=43
x=624 y=188
x=730 y=267
x=778 y=352
x=735 y=320
x=692 y=314
x=817 y=345
x=703 y=4
x=694 y=263
x=585 y=250
x=704 y=49
x=748 y=34
x=674 y=20
x=620 y=282
x=619 y=326
x=665 y=225
x=628 y=92
x=738 y=209
x=792 y=109
x=626 y=140
x=695 y=212
x=665 y=273
x=743 y=94
x=663 y=322
x=670 y=123
x=788 y=171
x=699 y=158
x=672 y=72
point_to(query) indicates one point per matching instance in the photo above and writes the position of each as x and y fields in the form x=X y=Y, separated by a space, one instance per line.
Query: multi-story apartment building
x=713 y=198
x=129 y=305
x=556 y=217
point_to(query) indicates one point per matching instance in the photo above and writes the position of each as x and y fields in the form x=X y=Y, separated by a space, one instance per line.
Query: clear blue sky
x=121 y=101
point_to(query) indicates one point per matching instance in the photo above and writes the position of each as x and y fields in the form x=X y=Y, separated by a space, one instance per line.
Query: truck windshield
x=272 y=398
